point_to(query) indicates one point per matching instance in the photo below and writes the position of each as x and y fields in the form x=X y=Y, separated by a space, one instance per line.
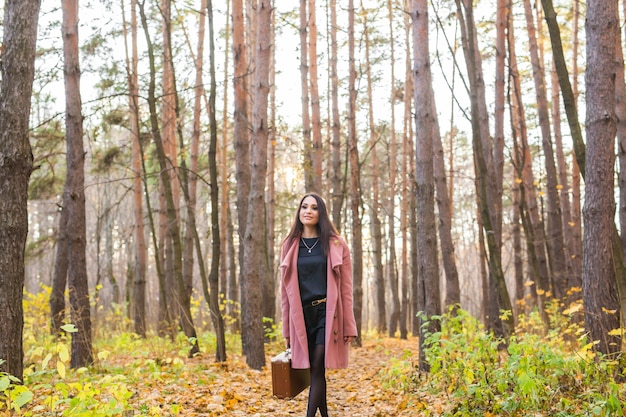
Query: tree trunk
x=375 y=223
x=74 y=194
x=214 y=307
x=392 y=269
x=16 y=164
x=337 y=183
x=240 y=133
x=141 y=251
x=555 y=245
x=428 y=297
x=316 y=122
x=173 y=228
x=355 y=200
x=599 y=285
x=255 y=253
x=59 y=277
x=309 y=175
x=528 y=208
x=484 y=172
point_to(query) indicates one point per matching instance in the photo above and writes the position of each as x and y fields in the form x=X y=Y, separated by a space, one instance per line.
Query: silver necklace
x=307 y=246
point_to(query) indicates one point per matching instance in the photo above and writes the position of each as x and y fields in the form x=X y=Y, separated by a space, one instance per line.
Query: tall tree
x=309 y=174
x=255 y=253
x=216 y=314
x=392 y=269
x=490 y=207
x=425 y=120
x=74 y=193
x=599 y=285
x=336 y=176
x=375 y=222
x=316 y=119
x=16 y=164
x=141 y=250
x=355 y=196
x=556 y=244
x=173 y=226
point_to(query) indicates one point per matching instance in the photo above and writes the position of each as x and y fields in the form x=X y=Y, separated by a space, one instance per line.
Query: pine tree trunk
x=336 y=178
x=355 y=194
x=16 y=164
x=489 y=202
x=316 y=120
x=59 y=276
x=599 y=281
x=255 y=253
x=309 y=174
x=241 y=141
x=74 y=194
x=555 y=245
x=375 y=223
x=214 y=307
x=425 y=120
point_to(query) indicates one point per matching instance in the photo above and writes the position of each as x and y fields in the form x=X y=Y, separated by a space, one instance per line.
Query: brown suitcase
x=286 y=381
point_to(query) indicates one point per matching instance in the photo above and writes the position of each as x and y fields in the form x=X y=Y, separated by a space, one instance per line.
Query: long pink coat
x=339 y=313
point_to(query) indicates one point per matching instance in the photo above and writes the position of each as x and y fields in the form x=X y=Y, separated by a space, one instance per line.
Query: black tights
x=317 y=392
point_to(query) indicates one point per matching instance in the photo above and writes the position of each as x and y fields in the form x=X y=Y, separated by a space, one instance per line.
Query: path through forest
x=231 y=389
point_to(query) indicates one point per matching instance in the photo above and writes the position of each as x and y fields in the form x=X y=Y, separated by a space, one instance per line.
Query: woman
x=316 y=273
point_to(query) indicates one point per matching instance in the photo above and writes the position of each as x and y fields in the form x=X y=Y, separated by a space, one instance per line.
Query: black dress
x=312 y=266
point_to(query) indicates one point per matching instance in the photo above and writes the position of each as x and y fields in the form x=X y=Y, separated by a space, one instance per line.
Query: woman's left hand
x=348 y=339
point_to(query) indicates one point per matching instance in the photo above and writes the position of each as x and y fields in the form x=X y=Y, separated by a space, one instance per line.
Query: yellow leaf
x=574 y=308
x=529 y=283
x=559 y=187
x=609 y=311
x=571 y=224
x=61 y=369
x=44 y=363
x=617 y=332
x=518 y=180
x=103 y=355
x=540 y=291
x=64 y=354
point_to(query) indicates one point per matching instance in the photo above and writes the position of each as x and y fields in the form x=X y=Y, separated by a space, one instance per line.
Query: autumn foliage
x=538 y=372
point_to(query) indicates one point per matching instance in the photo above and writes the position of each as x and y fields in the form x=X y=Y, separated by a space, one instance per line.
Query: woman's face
x=309 y=214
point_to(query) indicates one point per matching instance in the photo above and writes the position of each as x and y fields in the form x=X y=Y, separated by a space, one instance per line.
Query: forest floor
x=208 y=388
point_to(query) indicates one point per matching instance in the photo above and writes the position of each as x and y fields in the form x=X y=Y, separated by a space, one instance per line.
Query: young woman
x=316 y=296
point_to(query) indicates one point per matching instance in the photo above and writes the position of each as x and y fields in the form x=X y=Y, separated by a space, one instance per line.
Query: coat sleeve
x=349 y=323
x=284 y=299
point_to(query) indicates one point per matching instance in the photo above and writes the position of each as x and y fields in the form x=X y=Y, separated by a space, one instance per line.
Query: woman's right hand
x=287 y=342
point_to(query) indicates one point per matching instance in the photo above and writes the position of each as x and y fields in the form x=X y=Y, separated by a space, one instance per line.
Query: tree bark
x=599 y=285
x=336 y=179
x=255 y=254
x=555 y=245
x=429 y=303
x=355 y=197
x=484 y=172
x=74 y=194
x=375 y=223
x=316 y=119
x=309 y=174
x=214 y=307
x=241 y=138
x=138 y=303
x=16 y=164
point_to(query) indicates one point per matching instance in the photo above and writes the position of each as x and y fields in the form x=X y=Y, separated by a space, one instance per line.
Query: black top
x=311 y=270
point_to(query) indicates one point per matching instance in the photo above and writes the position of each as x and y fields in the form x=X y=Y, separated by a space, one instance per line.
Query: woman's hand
x=287 y=342
x=348 y=339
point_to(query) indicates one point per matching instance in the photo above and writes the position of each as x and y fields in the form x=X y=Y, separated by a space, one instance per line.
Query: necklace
x=307 y=246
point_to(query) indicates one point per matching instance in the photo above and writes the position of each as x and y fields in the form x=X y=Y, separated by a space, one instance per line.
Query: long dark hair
x=325 y=227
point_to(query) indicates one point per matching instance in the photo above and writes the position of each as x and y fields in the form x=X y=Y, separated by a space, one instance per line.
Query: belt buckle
x=318 y=302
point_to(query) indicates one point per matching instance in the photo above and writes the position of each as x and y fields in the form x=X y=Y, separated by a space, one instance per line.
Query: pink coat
x=339 y=313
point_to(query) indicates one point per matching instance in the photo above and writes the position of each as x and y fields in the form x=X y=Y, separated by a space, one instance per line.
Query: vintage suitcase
x=286 y=381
